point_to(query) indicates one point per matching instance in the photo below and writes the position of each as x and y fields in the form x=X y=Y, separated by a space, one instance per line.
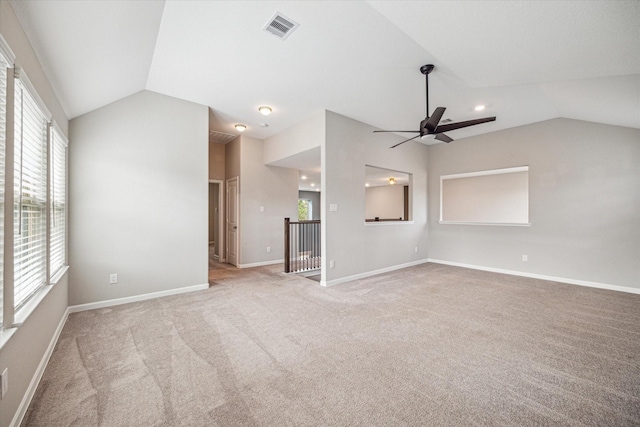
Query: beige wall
x=584 y=202
x=217 y=161
x=25 y=350
x=232 y=159
x=384 y=202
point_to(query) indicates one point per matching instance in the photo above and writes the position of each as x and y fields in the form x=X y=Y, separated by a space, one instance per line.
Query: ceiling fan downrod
x=426 y=70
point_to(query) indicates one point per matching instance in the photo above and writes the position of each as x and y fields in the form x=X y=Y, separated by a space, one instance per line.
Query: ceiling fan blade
x=433 y=121
x=444 y=138
x=453 y=126
x=406 y=140
x=397 y=131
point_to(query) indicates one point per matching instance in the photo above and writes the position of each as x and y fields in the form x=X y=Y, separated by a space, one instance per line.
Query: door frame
x=237 y=198
x=222 y=214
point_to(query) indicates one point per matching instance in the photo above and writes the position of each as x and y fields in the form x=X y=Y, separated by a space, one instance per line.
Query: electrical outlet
x=333 y=207
x=268 y=249
x=261 y=208
x=5 y=381
x=332 y=264
x=415 y=249
x=525 y=258
x=113 y=278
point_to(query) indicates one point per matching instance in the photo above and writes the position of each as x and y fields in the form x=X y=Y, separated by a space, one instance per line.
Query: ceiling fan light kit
x=431 y=124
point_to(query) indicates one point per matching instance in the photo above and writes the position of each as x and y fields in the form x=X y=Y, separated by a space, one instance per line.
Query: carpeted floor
x=429 y=345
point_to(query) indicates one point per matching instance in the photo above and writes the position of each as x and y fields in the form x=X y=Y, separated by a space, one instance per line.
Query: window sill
x=23 y=314
x=382 y=223
x=500 y=224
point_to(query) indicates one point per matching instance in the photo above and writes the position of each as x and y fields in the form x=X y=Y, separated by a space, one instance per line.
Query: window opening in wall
x=387 y=195
x=493 y=197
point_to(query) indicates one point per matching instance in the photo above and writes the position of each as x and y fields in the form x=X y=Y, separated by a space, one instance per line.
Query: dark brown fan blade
x=444 y=138
x=397 y=131
x=433 y=121
x=460 y=125
x=406 y=140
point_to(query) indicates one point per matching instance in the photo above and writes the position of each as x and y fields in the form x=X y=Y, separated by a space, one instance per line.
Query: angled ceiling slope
x=525 y=61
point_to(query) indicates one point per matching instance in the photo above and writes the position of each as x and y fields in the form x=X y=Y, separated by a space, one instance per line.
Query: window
x=58 y=197
x=494 y=197
x=387 y=195
x=30 y=195
x=4 y=64
x=33 y=161
x=305 y=212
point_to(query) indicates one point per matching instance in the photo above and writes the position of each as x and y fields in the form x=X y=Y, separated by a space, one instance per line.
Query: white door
x=232 y=221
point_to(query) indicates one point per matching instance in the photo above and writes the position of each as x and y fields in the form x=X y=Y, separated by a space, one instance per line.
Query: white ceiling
x=527 y=61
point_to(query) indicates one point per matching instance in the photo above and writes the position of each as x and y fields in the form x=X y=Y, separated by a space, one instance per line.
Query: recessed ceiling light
x=312 y=184
x=264 y=110
x=240 y=127
x=303 y=177
x=317 y=189
x=366 y=184
x=479 y=107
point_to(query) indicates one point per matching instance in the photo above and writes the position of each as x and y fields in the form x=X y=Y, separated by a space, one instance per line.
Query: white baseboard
x=540 y=276
x=260 y=264
x=37 y=376
x=135 y=298
x=372 y=273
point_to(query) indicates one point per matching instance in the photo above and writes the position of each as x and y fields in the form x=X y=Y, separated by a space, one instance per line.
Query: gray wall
x=584 y=189
x=355 y=247
x=24 y=351
x=138 y=190
x=273 y=188
x=316 y=206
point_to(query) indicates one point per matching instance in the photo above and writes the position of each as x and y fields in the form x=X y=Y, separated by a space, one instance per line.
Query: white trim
x=20 y=75
x=486 y=172
x=37 y=376
x=6 y=51
x=501 y=224
x=260 y=264
x=222 y=213
x=135 y=298
x=372 y=273
x=541 y=276
x=380 y=223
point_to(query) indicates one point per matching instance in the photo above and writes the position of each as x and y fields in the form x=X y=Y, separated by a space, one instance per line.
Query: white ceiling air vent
x=221 y=138
x=280 y=26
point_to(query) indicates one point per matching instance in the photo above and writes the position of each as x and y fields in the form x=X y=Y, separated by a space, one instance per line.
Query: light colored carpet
x=428 y=345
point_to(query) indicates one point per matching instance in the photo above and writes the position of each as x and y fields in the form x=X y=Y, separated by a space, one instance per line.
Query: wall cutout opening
x=387 y=195
x=493 y=197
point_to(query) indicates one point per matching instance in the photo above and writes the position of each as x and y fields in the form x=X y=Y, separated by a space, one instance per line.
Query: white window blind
x=4 y=64
x=30 y=192
x=58 y=197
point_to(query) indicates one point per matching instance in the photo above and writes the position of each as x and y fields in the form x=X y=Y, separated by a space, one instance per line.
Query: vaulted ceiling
x=527 y=61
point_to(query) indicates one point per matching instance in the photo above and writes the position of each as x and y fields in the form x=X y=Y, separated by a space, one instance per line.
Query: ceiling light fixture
x=264 y=110
x=240 y=127
x=303 y=177
x=312 y=184
x=366 y=184
x=479 y=107
x=392 y=181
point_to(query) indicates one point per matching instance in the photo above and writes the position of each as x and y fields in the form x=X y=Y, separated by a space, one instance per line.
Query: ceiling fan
x=431 y=125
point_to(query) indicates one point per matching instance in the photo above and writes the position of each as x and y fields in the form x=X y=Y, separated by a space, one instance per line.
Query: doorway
x=233 y=232
x=216 y=221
